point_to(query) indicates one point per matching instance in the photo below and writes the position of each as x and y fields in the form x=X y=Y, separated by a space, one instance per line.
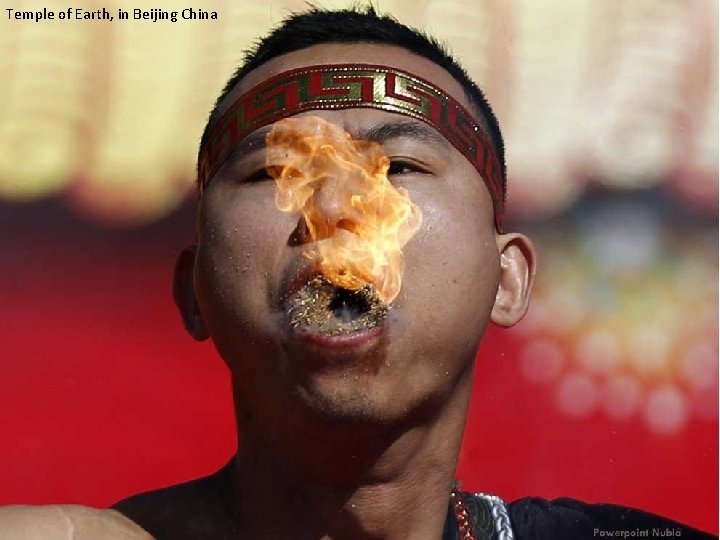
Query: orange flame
x=358 y=221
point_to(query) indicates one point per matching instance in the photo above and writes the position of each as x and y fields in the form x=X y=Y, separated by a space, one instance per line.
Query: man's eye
x=258 y=176
x=403 y=167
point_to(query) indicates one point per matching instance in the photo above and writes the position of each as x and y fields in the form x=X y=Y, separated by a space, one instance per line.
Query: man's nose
x=329 y=200
x=332 y=204
x=328 y=210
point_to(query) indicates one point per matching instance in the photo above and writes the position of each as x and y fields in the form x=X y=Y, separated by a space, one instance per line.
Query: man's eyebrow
x=379 y=133
x=419 y=131
x=250 y=143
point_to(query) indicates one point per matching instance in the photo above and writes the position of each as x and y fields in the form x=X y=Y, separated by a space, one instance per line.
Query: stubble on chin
x=349 y=406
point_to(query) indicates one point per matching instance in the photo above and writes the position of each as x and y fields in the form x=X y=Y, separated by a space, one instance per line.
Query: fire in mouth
x=358 y=222
x=319 y=306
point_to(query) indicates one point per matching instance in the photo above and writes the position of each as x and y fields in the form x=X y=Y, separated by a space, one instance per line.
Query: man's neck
x=351 y=482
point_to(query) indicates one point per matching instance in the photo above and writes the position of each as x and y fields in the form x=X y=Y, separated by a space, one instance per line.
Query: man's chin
x=351 y=407
x=345 y=378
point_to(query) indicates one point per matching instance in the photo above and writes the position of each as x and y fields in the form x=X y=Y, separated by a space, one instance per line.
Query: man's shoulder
x=567 y=518
x=63 y=521
x=196 y=509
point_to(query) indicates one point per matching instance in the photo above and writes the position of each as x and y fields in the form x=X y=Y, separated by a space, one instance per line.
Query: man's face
x=249 y=252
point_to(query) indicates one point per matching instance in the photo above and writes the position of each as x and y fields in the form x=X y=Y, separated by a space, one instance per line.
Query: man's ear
x=184 y=294
x=517 y=274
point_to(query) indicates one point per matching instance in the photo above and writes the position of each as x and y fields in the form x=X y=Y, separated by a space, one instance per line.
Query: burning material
x=325 y=308
x=357 y=220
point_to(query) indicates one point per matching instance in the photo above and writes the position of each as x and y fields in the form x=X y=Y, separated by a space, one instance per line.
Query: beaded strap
x=500 y=514
x=477 y=516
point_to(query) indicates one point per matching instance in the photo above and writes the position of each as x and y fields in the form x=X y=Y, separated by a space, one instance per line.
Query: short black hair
x=362 y=25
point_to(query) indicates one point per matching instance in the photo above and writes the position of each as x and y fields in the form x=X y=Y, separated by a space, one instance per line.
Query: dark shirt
x=202 y=510
x=534 y=518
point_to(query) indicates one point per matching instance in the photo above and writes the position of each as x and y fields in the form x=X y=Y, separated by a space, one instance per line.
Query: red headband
x=350 y=86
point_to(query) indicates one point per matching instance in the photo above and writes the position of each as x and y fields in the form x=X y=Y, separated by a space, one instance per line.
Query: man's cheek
x=446 y=218
x=214 y=277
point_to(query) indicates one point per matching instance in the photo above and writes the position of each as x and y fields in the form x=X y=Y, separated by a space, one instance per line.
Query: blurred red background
x=103 y=394
x=606 y=392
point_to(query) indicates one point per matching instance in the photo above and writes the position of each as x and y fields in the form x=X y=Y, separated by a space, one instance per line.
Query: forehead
x=356 y=53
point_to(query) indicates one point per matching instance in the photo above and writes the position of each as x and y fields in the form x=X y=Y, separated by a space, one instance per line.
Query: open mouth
x=319 y=306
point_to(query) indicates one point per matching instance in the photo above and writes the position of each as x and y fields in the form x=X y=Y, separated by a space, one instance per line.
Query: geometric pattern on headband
x=347 y=86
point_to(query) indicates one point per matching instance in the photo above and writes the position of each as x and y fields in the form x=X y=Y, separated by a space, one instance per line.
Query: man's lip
x=340 y=342
x=352 y=341
x=301 y=278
